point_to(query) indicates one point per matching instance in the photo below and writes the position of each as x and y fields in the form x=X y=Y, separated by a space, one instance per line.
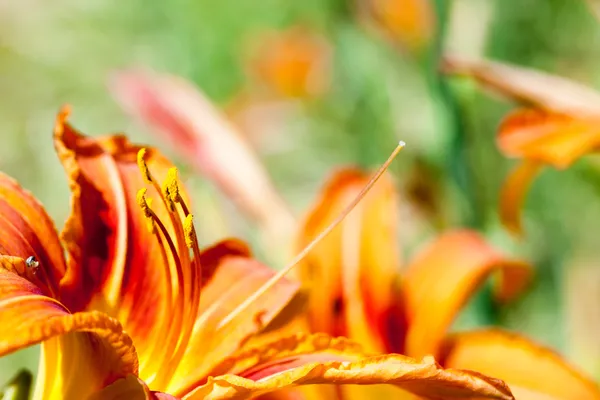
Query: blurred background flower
x=312 y=85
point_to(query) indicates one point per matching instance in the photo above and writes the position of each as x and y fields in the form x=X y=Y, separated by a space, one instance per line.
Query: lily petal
x=443 y=276
x=130 y=387
x=551 y=138
x=320 y=359
x=354 y=269
x=527 y=85
x=70 y=341
x=27 y=231
x=532 y=371
x=513 y=194
x=114 y=262
x=216 y=333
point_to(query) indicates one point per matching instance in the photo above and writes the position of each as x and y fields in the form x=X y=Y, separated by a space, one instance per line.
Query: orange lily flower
x=136 y=308
x=559 y=126
x=386 y=315
x=356 y=292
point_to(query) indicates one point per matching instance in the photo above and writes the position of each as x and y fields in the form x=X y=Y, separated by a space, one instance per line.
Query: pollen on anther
x=172 y=184
x=141 y=162
x=141 y=200
x=188 y=231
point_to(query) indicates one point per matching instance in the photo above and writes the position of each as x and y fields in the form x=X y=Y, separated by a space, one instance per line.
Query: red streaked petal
x=114 y=262
x=235 y=278
x=319 y=359
x=82 y=352
x=27 y=230
x=353 y=272
x=443 y=276
x=532 y=371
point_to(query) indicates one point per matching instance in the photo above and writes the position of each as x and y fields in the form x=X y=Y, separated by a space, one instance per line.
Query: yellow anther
x=188 y=231
x=167 y=196
x=172 y=184
x=144 y=204
x=141 y=161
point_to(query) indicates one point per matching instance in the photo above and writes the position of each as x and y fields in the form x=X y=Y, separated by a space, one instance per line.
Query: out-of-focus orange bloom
x=292 y=63
x=409 y=23
x=562 y=126
x=356 y=291
x=136 y=308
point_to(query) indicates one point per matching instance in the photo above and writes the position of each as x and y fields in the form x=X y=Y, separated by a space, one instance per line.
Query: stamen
x=188 y=231
x=172 y=185
x=145 y=205
x=196 y=281
x=141 y=162
x=300 y=256
x=185 y=273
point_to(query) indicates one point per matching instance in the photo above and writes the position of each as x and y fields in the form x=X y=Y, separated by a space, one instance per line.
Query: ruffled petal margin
x=320 y=359
x=81 y=353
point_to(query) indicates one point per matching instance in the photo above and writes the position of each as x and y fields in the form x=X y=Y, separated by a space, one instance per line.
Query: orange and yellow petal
x=548 y=137
x=532 y=371
x=320 y=359
x=512 y=195
x=221 y=327
x=352 y=274
x=28 y=231
x=115 y=264
x=442 y=277
x=81 y=352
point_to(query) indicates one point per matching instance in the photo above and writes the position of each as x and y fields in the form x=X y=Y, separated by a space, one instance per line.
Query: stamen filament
x=300 y=256
x=174 y=328
x=196 y=280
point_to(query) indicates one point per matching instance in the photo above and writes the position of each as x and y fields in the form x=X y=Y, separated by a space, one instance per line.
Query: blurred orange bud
x=409 y=23
x=292 y=63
